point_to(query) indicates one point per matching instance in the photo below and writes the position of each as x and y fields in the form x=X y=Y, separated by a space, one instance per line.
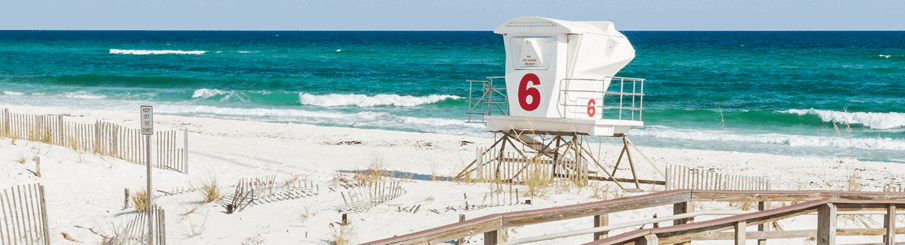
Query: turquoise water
x=777 y=92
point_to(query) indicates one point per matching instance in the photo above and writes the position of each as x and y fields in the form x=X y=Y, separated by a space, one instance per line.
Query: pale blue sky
x=446 y=15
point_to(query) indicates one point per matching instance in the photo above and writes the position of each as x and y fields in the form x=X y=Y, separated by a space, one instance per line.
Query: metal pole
x=148 y=191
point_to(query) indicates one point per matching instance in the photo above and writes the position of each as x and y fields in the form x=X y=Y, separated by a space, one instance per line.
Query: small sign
x=147 y=120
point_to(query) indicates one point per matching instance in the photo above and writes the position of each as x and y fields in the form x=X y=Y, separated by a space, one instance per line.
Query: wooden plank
x=7 y=216
x=790 y=234
x=521 y=218
x=602 y=178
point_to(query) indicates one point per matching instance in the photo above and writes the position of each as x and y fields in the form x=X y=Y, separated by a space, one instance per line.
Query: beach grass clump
x=537 y=181
x=605 y=192
x=210 y=191
x=307 y=213
x=47 y=137
x=340 y=234
x=374 y=172
x=140 y=200
x=853 y=181
x=192 y=230
x=21 y=159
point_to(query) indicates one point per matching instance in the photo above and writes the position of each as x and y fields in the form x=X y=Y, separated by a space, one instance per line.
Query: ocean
x=800 y=93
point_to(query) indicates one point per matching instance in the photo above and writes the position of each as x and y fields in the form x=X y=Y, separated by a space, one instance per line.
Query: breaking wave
x=772 y=138
x=148 y=52
x=358 y=100
x=873 y=120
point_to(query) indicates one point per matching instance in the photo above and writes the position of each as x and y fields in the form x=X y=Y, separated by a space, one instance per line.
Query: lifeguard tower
x=559 y=88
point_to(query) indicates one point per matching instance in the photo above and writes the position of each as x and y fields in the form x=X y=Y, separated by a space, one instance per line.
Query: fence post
x=126 y=199
x=479 y=164
x=185 y=152
x=826 y=224
x=38 y=166
x=44 y=216
x=601 y=220
x=667 y=179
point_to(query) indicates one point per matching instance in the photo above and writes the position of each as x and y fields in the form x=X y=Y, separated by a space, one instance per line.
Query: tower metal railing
x=635 y=97
x=487 y=100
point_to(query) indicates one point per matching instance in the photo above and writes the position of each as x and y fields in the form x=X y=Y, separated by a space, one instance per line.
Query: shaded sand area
x=84 y=191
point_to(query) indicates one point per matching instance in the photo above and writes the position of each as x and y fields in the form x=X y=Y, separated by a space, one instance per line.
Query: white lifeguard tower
x=559 y=88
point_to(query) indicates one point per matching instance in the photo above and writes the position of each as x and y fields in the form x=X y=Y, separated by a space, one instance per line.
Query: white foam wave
x=13 y=93
x=227 y=95
x=368 y=101
x=84 y=95
x=207 y=93
x=148 y=52
x=366 y=119
x=773 y=138
x=873 y=120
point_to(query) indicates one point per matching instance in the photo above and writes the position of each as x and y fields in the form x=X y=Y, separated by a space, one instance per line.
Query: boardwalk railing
x=681 y=177
x=825 y=233
x=23 y=216
x=103 y=138
x=681 y=201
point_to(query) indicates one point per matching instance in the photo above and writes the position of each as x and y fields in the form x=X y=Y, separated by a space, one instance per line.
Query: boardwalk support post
x=762 y=206
x=601 y=220
x=889 y=222
x=826 y=224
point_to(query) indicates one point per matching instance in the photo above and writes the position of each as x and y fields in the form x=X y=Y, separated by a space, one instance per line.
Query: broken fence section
x=262 y=190
x=136 y=231
x=363 y=197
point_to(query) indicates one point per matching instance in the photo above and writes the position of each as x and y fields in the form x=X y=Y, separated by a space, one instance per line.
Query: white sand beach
x=84 y=191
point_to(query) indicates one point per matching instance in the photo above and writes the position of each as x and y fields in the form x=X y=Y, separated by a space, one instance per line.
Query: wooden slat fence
x=103 y=138
x=890 y=188
x=363 y=197
x=136 y=231
x=261 y=190
x=512 y=167
x=23 y=216
x=681 y=177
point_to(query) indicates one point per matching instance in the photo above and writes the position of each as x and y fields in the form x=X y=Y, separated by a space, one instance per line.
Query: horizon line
x=325 y=30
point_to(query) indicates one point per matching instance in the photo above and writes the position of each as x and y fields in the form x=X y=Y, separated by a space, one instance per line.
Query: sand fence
x=23 y=216
x=136 y=231
x=262 y=190
x=681 y=177
x=103 y=138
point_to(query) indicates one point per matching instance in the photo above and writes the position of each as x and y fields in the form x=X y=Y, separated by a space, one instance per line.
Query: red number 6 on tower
x=524 y=91
x=591 y=109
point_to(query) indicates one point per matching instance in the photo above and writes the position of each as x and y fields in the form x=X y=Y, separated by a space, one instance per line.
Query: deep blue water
x=776 y=91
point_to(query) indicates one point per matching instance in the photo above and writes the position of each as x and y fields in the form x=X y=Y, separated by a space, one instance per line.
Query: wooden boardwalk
x=825 y=203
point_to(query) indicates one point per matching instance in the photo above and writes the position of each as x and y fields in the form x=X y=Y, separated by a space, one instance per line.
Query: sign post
x=147 y=129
